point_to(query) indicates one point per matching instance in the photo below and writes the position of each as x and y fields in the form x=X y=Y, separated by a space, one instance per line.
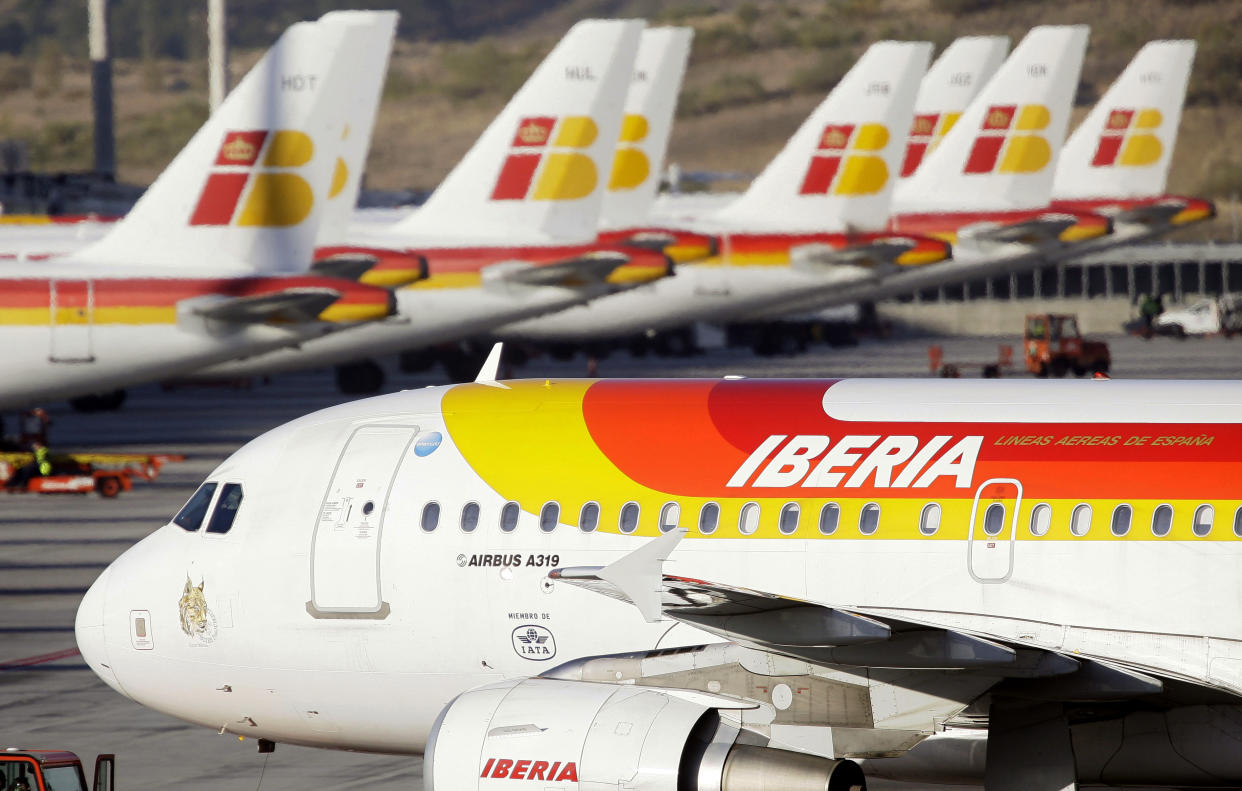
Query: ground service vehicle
x=1205 y=317
x=53 y=770
x=1052 y=345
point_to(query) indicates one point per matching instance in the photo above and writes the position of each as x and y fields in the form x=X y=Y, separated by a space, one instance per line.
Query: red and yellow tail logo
x=861 y=173
x=1130 y=134
x=630 y=167
x=275 y=198
x=925 y=133
x=562 y=174
x=1012 y=130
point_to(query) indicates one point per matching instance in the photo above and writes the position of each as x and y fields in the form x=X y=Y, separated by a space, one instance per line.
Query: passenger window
x=549 y=515
x=588 y=517
x=791 y=513
x=190 y=517
x=1122 y=515
x=1080 y=519
x=929 y=520
x=509 y=516
x=469 y=517
x=829 y=517
x=994 y=519
x=1162 y=521
x=1205 y=515
x=1041 y=519
x=1237 y=522
x=670 y=515
x=431 y=516
x=226 y=509
x=869 y=519
x=628 y=520
x=748 y=519
x=709 y=518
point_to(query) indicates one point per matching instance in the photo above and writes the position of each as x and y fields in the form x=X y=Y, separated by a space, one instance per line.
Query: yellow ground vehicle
x=1052 y=345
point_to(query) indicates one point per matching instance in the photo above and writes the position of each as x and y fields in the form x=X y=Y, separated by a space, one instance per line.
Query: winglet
x=491 y=366
x=640 y=574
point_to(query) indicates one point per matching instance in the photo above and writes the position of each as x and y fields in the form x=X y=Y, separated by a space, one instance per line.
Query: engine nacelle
x=585 y=736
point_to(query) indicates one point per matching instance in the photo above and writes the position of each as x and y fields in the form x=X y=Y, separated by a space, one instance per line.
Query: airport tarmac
x=53 y=546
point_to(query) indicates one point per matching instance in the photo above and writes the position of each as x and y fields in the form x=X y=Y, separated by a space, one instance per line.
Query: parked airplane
x=826 y=572
x=1117 y=161
x=801 y=227
x=511 y=232
x=202 y=269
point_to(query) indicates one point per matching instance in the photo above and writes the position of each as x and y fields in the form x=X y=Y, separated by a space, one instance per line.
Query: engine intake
x=587 y=736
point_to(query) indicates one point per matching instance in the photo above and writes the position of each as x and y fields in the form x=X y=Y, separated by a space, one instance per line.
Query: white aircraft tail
x=837 y=172
x=362 y=107
x=1123 y=147
x=1002 y=153
x=540 y=168
x=649 y=107
x=946 y=91
x=247 y=192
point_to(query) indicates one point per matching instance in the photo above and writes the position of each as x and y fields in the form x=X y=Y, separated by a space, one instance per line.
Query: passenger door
x=71 y=316
x=345 y=552
x=993 y=530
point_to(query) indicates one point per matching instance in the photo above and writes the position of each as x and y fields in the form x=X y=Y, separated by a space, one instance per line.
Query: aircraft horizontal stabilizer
x=1043 y=230
x=290 y=305
x=589 y=268
x=881 y=252
x=1158 y=213
x=347 y=266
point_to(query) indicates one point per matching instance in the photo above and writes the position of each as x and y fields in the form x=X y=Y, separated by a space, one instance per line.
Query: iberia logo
x=840 y=166
x=1129 y=133
x=1012 y=130
x=274 y=197
x=925 y=134
x=563 y=173
x=630 y=167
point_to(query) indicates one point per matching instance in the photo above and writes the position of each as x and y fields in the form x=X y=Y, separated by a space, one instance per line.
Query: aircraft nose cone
x=89 y=630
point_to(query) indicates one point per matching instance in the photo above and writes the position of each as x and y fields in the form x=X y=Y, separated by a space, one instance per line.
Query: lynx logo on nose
x=275 y=197
x=546 y=166
x=1015 y=130
x=846 y=161
x=1128 y=139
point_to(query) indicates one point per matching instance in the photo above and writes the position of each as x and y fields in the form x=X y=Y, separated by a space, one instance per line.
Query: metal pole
x=101 y=88
x=217 y=54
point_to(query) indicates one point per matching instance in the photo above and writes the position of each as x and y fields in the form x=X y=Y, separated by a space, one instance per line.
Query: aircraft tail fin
x=649 y=107
x=1002 y=153
x=946 y=91
x=1123 y=147
x=837 y=171
x=361 y=110
x=247 y=192
x=540 y=168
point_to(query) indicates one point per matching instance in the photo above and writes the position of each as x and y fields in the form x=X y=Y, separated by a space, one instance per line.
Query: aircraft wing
x=853 y=637
x=588 y=268
x=1043 y=230
x=290 y=305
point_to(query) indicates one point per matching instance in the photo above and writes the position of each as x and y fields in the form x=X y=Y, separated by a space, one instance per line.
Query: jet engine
x=567 y=735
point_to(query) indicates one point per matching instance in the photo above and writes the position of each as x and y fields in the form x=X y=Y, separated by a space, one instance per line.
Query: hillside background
x=757 y=69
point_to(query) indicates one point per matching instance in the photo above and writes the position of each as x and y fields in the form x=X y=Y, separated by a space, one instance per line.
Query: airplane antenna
x=491 y=366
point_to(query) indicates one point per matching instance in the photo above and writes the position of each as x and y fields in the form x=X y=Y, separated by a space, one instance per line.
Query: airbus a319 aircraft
x=803 y=583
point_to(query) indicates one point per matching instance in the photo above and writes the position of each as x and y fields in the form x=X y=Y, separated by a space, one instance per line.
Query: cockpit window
x=190 y=517
x=226 y=509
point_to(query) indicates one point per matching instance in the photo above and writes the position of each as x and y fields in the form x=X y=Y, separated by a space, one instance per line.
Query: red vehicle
x=52 y=770
x=1053 y=345
x=81 y=473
